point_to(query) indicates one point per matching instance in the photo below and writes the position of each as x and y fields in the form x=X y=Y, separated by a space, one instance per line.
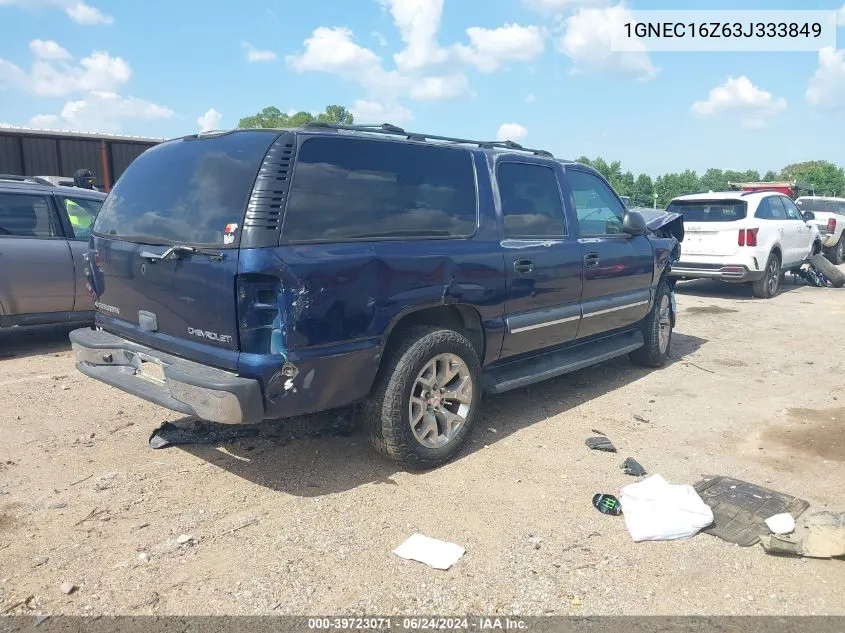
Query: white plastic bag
x=655 y=510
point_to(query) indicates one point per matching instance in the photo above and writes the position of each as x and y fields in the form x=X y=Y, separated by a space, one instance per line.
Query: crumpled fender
x=663 y=223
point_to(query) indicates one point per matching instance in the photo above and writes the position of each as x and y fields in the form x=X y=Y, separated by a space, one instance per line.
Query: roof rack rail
x=33 y=179
x=388 y=128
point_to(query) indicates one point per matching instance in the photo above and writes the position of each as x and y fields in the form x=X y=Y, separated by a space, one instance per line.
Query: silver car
x=44 y=232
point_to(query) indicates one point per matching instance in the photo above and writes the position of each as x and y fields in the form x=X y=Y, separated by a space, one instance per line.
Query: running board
x=528 y=371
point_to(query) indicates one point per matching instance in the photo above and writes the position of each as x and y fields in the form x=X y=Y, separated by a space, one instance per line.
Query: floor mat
x=740 y=509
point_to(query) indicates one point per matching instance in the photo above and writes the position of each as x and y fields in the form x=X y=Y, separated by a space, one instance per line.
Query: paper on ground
x=432 y=552
x=656 y=510
x=781 y=523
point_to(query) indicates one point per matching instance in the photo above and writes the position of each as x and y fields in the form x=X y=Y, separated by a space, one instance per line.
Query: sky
x=540 y=72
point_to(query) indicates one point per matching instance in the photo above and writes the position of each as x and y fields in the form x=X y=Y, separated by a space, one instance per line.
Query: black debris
x=198 y=432
x=600 y=444
x=632 y=467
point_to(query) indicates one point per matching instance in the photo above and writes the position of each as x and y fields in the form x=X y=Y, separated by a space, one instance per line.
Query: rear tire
x=836 y=254
x=657 y=331
x=426 y=398
x=836 y=276
x=768 y=286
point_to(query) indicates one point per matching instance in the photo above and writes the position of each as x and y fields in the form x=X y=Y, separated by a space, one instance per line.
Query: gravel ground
x=290 y=522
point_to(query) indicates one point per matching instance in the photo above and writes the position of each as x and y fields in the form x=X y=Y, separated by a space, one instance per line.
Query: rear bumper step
x=181 y=385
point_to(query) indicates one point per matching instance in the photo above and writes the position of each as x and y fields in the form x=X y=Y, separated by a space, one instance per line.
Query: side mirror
x=634 y=224
x=808 y=215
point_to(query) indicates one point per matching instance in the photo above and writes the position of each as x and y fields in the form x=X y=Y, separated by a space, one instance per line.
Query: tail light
x=831 y=225
x=748 y=237
x=259 y=303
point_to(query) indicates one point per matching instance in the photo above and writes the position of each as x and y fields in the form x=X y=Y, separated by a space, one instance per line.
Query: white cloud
x=55 y=75
x=103 y=112
x=44 y=121
x=490 y=48
x=840 y=16
x=6 y=125
x=511 y=132
x=82 y=13
x=586 y=40
x=826 y=89
x=530 y=97
x=334 y=51
x=375 y=112
x=740 y=96
x=418 y=22
x=439 y=88
x=559 y=6
x=210 y=121
x=78 y=11
x=48 y=49
x=254 y=55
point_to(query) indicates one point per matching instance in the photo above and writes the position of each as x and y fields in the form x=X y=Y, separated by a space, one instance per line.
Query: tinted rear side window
x=709 y=210
x=186 y=191
x=357 y=189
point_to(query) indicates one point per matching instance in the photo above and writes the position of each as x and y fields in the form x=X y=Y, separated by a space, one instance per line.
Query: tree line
x=824 y=177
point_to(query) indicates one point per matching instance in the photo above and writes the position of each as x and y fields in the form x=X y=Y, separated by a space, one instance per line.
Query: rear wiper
x=178 y=251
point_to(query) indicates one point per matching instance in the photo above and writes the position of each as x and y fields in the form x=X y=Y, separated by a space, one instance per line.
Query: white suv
x=743 y=237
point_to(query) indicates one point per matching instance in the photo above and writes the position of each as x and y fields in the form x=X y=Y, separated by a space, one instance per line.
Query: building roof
x=25 y=131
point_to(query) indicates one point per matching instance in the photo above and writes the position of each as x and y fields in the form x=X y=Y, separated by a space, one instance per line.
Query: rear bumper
x=738 y=273
x=190 y=388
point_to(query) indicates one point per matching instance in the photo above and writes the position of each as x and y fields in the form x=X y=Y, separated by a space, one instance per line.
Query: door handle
x=591 y=259
x=523 y=266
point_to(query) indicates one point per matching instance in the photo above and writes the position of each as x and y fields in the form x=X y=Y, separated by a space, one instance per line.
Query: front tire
x=657 y=331
x=426 y=398
x=769 y=284
x=836 y=254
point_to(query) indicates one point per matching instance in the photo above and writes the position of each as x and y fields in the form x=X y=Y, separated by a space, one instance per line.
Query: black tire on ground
x=769 y=285
x=836 y=276
x=386 y=414
x=657 y=331
x=836 y=254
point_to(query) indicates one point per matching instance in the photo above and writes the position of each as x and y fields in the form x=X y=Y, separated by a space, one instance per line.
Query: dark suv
x=261 y=274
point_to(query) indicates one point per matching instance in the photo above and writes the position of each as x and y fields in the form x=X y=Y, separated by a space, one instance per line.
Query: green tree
x=272 y=117
x=825 y=177
x=771 y=176
x=714 y=180
x=643 y=190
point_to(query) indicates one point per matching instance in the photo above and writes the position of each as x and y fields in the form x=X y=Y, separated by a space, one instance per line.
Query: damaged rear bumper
x=190 y=388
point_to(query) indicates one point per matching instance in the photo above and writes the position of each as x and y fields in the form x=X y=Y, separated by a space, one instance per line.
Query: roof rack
x=387 y=128
x=32 y=179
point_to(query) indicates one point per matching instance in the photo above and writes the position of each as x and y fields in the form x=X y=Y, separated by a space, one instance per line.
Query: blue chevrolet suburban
x=250 y=275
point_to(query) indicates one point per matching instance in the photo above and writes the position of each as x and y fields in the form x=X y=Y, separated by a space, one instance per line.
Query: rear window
x=360 y=189
x=709 y=210
x=186 y=191
x=821 y=205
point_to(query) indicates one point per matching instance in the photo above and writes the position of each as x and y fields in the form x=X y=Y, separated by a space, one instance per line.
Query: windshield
x=191 y=191
x=709 y=210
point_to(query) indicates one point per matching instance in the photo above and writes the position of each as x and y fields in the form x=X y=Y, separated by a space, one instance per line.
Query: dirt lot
x=287 y=523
